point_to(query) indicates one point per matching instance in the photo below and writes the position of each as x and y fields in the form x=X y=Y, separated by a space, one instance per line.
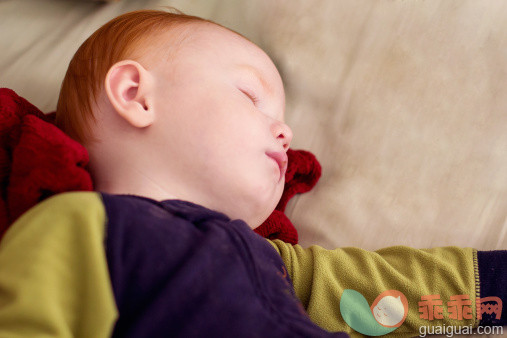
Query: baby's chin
x=256 y=208
x=263 y=215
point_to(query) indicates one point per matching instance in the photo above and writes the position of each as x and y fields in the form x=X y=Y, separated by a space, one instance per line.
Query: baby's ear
x=129 y=87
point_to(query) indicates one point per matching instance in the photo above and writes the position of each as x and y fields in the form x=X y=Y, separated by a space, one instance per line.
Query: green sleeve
x=320 y=277
x=54 y=280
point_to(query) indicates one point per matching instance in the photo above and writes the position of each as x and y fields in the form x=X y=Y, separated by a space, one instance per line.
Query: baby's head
x=174 y=106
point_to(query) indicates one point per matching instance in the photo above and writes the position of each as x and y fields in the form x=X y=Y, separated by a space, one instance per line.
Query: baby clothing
x=90 y=264
x=452 y=278
x=93 y=265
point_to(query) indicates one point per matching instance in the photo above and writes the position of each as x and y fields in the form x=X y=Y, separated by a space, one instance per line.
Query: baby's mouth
x=281 y=159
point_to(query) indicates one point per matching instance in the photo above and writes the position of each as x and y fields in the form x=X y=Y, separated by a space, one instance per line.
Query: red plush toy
x=302 y=174
x=38 y=160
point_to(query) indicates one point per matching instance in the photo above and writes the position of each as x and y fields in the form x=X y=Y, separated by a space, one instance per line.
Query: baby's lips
x=281 y=158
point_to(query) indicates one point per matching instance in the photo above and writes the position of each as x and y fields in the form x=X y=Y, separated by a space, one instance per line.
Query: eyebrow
x=257 y=74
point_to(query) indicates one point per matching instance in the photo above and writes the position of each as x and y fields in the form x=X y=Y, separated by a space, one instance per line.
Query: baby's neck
x=117 y=176
x=137 y=183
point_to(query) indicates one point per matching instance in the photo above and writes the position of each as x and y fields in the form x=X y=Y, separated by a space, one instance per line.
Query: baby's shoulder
x=65 y=207
x=61 y=218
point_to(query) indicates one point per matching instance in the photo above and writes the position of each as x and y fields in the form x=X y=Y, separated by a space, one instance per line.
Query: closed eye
x=251 y=96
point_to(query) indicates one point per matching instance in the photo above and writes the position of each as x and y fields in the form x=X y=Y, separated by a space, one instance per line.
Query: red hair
x=119 y=39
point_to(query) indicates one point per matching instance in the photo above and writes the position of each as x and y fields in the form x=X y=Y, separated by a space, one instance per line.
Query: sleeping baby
x=183 y=120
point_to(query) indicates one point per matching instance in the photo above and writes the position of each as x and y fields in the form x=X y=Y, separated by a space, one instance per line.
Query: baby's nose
x=283 y=134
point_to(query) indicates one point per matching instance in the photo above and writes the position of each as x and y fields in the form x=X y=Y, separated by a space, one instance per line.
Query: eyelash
x=251 y=96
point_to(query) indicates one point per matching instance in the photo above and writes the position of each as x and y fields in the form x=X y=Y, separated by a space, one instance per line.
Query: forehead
x=210 y=45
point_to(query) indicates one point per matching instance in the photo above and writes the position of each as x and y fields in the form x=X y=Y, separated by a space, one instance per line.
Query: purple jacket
x=179 y=269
